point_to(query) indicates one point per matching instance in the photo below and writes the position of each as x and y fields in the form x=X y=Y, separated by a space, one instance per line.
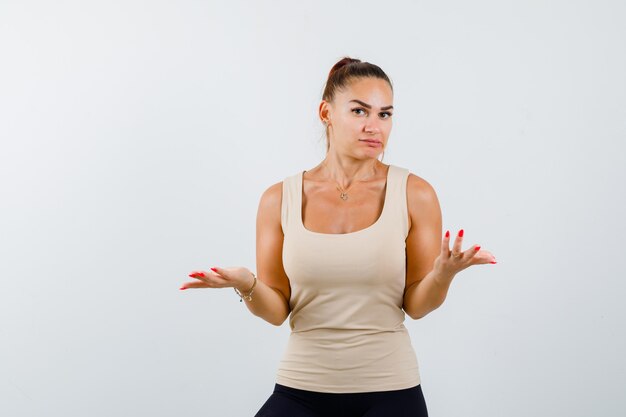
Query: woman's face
x=359 y=118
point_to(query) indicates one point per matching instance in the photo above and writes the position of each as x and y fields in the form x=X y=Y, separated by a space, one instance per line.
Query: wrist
x=245 y=286
x=246 y=293
x=442 y=279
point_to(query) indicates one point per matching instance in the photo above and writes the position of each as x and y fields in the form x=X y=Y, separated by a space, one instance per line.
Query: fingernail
x=493 y=262
x=461 y=233
x=477 y=248
x=182 y=288
x=447 y=233
x=213 y=269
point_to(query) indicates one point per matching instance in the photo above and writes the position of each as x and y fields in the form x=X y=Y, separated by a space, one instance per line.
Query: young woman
x=346 y=250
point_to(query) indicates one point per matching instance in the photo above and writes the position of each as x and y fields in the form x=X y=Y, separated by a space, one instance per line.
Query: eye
x=357 y=109
x=388 y=114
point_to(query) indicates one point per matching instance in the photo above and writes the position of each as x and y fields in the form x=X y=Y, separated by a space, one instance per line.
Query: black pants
x=292 y=402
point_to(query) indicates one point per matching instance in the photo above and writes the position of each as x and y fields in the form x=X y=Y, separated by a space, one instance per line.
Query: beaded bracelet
x=247 y=296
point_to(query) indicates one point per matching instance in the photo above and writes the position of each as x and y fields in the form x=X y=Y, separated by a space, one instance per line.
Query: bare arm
x=272 y=291
x=424 y=290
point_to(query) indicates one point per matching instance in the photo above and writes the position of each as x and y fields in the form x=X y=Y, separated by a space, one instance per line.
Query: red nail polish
x=477 y=248
x=213 y=269
x=461 y=233
x=447 y=233
x=493 y=262
x=182 y=288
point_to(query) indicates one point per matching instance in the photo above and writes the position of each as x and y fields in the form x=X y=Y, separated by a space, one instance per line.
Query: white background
x=138 y=136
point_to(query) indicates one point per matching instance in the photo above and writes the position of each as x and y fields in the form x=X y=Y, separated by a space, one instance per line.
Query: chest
x=324 y=211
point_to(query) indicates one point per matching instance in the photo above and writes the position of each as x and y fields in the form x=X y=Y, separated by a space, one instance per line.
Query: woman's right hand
x=237 y=277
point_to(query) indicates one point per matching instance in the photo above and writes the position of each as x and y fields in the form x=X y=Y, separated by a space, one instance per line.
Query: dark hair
x=343 y=73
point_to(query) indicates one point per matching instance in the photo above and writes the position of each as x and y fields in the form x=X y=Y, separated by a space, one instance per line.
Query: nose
x=372 y=126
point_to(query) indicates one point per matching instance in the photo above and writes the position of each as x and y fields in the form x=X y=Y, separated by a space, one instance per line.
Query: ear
x=324 y=111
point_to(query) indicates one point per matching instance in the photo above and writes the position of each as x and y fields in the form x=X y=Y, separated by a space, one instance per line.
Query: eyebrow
x=368 y=106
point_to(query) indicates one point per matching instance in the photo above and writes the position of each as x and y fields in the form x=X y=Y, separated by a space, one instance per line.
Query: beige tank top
x=347 y=330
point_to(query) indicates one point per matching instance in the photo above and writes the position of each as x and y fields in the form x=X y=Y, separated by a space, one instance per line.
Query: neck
x=345 y=173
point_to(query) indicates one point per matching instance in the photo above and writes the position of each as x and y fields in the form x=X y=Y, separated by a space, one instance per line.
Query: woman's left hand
x=450 y=262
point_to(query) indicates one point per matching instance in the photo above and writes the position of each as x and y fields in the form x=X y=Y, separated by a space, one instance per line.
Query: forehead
x=370 y=89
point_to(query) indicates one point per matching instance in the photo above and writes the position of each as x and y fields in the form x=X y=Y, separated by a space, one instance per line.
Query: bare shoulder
x=273 y=195
x=418 y=187
x=422 y=199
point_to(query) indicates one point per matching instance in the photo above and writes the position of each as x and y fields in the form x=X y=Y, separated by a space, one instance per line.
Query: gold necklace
x=344 y=194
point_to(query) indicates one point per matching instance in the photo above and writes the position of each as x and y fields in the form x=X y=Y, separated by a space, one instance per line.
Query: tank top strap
x=290 y=202
x=396 y=212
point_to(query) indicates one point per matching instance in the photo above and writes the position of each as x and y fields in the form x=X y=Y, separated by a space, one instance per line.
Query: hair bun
x=342 y=63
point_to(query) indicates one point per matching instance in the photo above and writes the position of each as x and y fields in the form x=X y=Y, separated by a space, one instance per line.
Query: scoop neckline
x=371 y=226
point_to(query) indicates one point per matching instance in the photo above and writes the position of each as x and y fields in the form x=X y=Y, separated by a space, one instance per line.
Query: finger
x=471 y=252
x=458 y=242
x=195 y=284
x=445 y=245
x=212 y=279
x=220 y=271
x=219 y=274
x=489 y=257
x=484 y=257
x=201 y=275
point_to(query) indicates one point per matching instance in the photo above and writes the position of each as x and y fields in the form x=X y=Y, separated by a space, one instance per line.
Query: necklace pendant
x=344 y=196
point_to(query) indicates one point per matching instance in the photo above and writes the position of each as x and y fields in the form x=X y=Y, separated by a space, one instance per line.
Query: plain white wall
x=137 y=138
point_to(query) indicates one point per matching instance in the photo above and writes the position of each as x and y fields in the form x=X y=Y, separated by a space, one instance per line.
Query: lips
x=370 y=140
